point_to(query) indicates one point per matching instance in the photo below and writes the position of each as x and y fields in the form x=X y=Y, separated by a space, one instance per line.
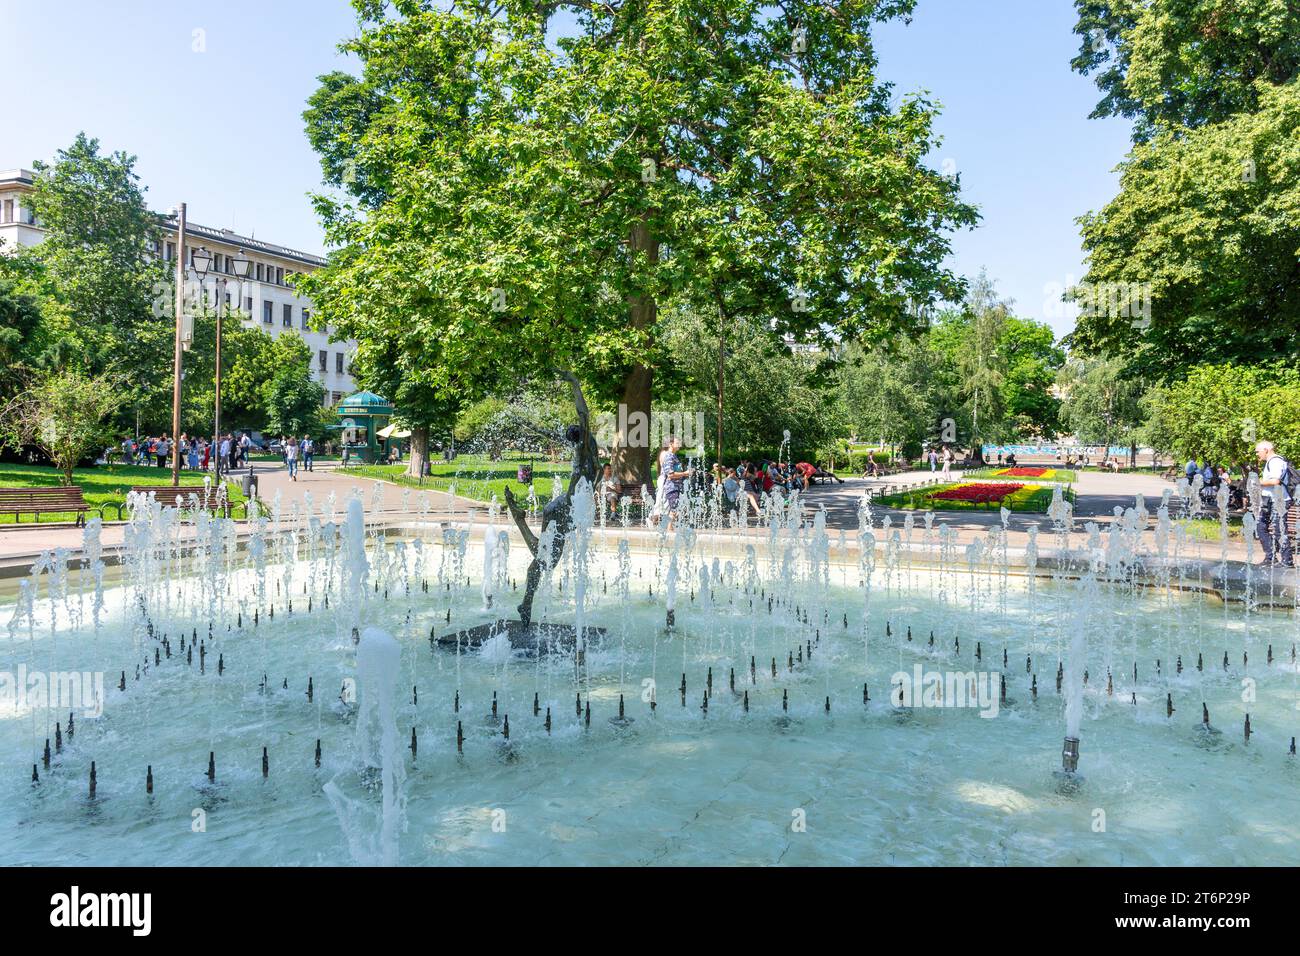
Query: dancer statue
x=557 y=516
x=558 y=513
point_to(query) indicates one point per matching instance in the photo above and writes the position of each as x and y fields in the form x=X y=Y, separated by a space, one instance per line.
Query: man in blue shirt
x=674 y=475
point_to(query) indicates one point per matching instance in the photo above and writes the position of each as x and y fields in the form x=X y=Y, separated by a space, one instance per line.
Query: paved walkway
x=1098 y=495
x=18 y=545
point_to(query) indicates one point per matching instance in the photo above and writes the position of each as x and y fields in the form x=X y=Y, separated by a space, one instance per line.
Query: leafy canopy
x=512 y=202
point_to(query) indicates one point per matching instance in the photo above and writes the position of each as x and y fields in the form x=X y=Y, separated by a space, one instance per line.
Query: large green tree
x=291 y=396
x=522 y=192
x=1102 y=403
x=1248 y=404
x=99 y=268
x=1033 y=361
x=1185 y=63
x=1198 y=257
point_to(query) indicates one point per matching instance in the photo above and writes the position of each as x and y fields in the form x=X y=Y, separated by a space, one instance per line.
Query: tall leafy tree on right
x=1197 y=259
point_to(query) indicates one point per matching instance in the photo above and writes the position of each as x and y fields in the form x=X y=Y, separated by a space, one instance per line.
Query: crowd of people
x=747 y=479
x=197 y=453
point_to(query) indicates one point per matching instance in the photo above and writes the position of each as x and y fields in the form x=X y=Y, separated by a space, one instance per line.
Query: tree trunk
x=415 y=467
x=631 y=455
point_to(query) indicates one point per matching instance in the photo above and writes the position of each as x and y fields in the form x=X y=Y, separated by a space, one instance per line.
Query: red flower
x=983 y=491
x=1023 y=472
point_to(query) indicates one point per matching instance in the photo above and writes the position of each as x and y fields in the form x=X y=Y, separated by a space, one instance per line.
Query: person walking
x=1277 y=484
x=308 y=452
x=245 y=446
x=934 y=460
x=947 y=463
x=290 y=449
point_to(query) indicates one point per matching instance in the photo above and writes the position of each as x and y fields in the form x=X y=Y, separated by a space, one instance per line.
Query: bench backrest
x=54 y=494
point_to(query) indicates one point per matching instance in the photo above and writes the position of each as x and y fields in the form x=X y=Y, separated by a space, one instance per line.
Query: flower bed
x=974 y=495
x=983 y=491
x=1036 y=472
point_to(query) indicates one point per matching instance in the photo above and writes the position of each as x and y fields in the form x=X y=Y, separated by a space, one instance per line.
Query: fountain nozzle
x=1070 y=755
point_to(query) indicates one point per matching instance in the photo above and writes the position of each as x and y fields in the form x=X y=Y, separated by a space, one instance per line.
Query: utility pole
x=176 y=365
x=722 y=362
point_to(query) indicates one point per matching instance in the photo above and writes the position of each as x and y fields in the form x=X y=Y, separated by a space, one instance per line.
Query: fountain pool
x=764 y=774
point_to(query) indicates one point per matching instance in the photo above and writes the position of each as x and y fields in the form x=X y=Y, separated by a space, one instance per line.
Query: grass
x=1207 y=529
x=103 y=485
x=474 y=476
x=1032 y=499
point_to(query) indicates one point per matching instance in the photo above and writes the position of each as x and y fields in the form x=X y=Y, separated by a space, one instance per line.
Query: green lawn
x=103 y=485
x=474 y=476
x=1208 y=529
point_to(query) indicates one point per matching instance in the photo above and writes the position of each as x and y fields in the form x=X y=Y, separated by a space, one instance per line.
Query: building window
x=306 y=318
x=227 y=301
x=9 y=210
x=248 y=305
x=260 y=272
x=324 y=360
x=338 y=361
x=266 y=312
x=170 y=252
x=279 y=277
x=288 y=316
x=336 y=397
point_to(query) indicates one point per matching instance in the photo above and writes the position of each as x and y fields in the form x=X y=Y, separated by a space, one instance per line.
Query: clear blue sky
x=221 y=128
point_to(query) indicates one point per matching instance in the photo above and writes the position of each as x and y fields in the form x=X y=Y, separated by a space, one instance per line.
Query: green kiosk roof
x=365 y=403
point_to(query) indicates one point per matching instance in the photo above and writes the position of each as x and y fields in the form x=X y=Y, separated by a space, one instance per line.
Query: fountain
x=295 y=679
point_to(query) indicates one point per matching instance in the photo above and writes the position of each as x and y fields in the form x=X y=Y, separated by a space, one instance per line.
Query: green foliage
x=1218 y=412
x=292 y=398
x=1185 y=62
x=64 y=414
x=1033 y=360
x=1103 y=401
x=524 y=194
x=891 y=393
x=477 y=418
x=768 y=389
x=98 y=270
x=1208 y=221
x=22 y=333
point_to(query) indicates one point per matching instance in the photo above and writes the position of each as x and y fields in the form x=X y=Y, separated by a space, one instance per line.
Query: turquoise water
x=865 y=784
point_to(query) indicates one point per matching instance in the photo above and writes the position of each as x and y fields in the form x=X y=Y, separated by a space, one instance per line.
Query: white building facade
x=265 y=296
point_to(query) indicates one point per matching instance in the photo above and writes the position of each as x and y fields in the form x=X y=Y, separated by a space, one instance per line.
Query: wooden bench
x=35 y=501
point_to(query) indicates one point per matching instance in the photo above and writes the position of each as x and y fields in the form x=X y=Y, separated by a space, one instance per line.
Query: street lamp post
x=176 y=363
x=202 y=261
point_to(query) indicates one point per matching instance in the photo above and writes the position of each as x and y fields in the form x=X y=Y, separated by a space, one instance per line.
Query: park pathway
x=1098 y=495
